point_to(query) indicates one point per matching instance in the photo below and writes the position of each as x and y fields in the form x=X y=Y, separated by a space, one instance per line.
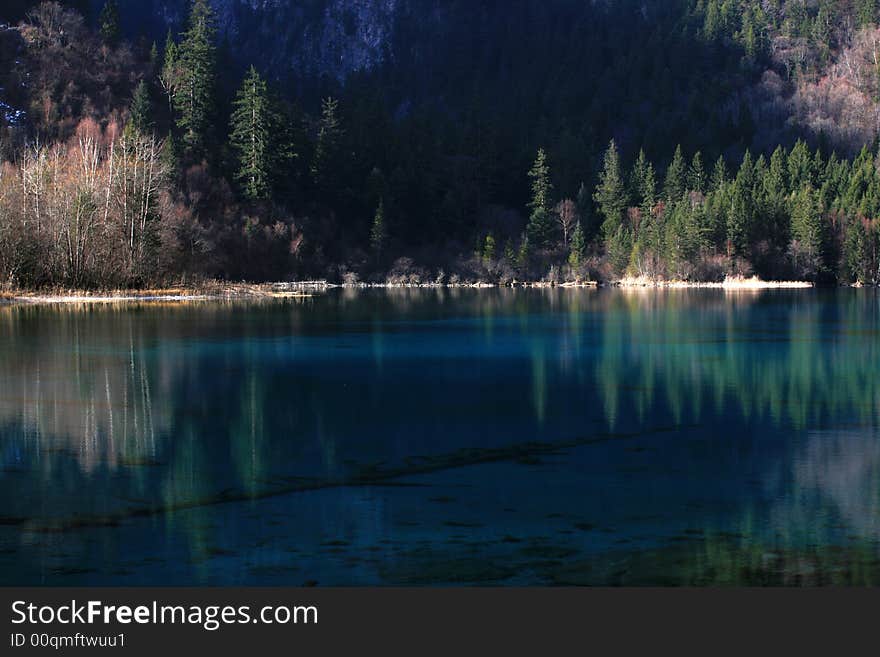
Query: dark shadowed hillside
x=403 y=137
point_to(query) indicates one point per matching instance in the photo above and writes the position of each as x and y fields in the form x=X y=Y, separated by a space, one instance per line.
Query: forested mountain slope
x=391 y=126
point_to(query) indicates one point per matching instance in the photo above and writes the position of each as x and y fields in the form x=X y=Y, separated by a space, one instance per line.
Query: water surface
x=432 y=437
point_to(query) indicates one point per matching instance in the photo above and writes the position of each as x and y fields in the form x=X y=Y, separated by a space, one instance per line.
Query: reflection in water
x=694 y=436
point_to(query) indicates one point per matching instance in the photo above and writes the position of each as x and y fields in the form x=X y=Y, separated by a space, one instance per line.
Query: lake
x=448 y=436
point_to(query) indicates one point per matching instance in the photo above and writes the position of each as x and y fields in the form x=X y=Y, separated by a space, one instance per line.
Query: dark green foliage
x=255 y=127
x=578 y=248
x=741 y=211
x=697 y=180
x=541 y=226
x=807 y=232
x=610 y=195
x=194 y=69
x=141 y=110
x=619 y=247
x=866 y=12
x=378 y=236
x=326 y=161
x=109 y=23
x=676 y=177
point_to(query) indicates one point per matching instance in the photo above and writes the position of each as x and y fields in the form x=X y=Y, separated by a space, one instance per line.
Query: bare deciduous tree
x=567 y=215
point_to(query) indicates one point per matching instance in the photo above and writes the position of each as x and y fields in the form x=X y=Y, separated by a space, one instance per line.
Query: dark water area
x=436 y=437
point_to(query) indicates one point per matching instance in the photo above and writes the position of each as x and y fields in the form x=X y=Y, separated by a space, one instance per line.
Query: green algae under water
x=435 y=437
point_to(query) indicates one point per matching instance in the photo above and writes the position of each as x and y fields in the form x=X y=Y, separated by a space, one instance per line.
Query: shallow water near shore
x=444 y=436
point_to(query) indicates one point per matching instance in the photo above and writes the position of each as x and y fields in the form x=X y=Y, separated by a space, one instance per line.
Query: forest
x=739 y=138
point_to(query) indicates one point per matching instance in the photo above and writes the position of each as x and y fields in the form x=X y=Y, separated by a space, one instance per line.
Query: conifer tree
x=326 y=158
x=378 y=235
x=524 y=254
x=254 y=129
x=196 y=70
x=141 y=110
x=169 y=77
x=489 y=250
x=637 y=176
x=540 y=227
x=109 y=23
x=775 y=197
x=800 y=167
x=676 y=177
x=619 y=247
x=610 y=193
x=648 y=192
x=741 y=211
x=696 y=180
x=719 y=174
x=584 y=201
x=578 y=247
x=856 y=252
x=806 y=233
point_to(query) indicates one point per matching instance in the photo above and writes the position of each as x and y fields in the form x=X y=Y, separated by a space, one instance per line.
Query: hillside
x=438 y=110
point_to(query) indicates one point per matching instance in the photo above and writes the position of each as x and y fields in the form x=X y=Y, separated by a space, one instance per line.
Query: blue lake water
x=435 y=437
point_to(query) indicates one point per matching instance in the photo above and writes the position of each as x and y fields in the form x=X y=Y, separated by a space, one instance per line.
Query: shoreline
x=305 y=289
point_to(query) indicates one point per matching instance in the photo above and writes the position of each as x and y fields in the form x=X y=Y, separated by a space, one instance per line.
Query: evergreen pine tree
x=254 y=128
x=610 y=193
x=619 y=247
x=378 y=236
x=325 y=163
x=169 y=76
x=578 y=247
x=855 y=252
x=109 y=23
x=696 y=180
x=648 y=192
x=489 y=250
x=524 y=255
x=637 y=176
x=775 y=198
x=741 y=211
x=196 y=67
x=806 y=233
x=540 y=227
x=584 y=203
x=800 y=167
x=141 y=110
x=509 y=253
x=719 y=175
x=676 y=177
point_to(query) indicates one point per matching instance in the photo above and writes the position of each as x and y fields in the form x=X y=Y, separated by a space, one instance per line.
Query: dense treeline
x=796 y=214
x=137 y=164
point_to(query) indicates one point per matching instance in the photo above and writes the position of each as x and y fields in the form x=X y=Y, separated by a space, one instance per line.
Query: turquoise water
x=434 y=437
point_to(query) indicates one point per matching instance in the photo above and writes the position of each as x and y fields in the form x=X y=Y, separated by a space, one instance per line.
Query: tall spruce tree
x=578 y=247
x=806 y=233
x=141 y=110
x=540 y=227
x=109 y=23
x=676 y=177
x=855 y=252
x=378 y=234
x=719 y=175
x=741 y=211
x=196 y=62
x=610 y=193
x=696 y=178
x=254 y=129
x=325 y=164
